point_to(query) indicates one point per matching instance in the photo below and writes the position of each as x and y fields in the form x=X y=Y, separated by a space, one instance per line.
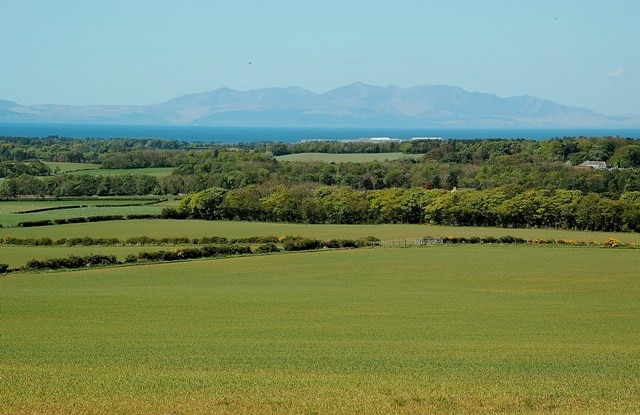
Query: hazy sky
x=575 y=52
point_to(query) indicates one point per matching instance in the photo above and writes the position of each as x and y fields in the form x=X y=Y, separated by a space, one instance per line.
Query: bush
x=211 y=240
x=172 y=213
x=33 y=223
x=4 y=268
x=72 y=261
x=296 y=243
x=104 y=218
x=143 y=216
x=140 y=240
x=612 y=243
x=266 y=248
x=256 y=240
x=343 y=243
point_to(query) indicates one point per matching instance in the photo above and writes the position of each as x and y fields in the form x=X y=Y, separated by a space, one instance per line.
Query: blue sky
x=581 y=53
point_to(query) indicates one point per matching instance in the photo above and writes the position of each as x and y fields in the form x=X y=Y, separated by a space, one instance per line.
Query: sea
x=239 y=134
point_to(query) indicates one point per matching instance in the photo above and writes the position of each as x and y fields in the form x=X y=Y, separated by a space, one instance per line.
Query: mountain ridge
x=354 y=105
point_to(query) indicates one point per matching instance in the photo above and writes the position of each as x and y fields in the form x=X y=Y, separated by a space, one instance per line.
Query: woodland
x=516 y=183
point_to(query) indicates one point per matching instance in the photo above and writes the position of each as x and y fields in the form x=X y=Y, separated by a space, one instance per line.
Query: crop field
x=345 y=158
x=33 y=209
x=239 y=229
x=446 y=329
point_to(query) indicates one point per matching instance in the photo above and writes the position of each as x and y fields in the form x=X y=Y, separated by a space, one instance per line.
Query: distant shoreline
x=230 y=135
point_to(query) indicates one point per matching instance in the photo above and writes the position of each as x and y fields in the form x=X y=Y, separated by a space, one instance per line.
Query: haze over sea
x=232 y=135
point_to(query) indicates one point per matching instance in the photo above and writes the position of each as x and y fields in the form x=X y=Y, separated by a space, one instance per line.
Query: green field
x=151 y=171
x=94 y=169
x=449 y=329
x=230 y=229
x=345 y=158
x=61 y=168
x=9 y=215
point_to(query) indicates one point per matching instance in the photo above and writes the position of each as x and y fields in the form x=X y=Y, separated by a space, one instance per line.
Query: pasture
x=68 y=167
x=150 y=171
x=96 y=170
x=446 y=329
x=14 y=212
x=345 y=158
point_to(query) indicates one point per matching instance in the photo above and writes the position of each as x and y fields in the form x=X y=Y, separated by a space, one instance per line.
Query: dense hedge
x=72 y=261
x=84 y=219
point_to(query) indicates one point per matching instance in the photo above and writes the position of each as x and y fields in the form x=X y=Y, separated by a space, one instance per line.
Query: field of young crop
x=236 y=229
x=344 y=158
x=449 y=329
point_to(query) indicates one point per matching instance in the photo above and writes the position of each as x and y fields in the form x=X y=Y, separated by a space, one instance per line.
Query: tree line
x=509 y=207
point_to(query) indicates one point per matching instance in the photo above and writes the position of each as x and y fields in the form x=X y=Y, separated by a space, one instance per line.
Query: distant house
x=589 y=164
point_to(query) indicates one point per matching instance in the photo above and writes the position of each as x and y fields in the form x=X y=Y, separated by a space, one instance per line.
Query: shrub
x=370 y=241
x=612 y=243
x=4 y=268
x=104 y=218
x=143 y=216
x=139 y=240
x=256 y=240
x=266 y=248
x=211 y=240
x=172 y=213
x=131 y=258
x=490 y=240
x=508 y=239
x=342 y=243
x=32 y=223
x=297 y=243
x=81 y=219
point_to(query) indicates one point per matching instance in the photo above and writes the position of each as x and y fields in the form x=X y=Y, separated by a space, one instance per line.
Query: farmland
x=477 y=324
x=14 y=212
x=415 y=330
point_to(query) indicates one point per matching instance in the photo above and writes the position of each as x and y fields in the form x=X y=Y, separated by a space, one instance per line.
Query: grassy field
x=345 y=158
x=230 y=229
x=94 y=169
x=151 y=171
x=449 y=330
x=9 y=215
x=60 y=167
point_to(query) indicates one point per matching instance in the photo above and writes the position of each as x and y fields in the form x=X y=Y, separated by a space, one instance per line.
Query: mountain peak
x=354 y=105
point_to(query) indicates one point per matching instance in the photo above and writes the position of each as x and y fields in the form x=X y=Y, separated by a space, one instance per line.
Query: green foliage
x=504 y=207
x=626 y=156
x=298 y=243
x=73 y=261
x=266 y=248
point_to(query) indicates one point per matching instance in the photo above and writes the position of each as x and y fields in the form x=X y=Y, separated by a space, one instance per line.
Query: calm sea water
x=287 y=134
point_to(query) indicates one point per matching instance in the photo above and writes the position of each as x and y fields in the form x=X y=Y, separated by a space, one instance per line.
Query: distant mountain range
x=355 y=105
